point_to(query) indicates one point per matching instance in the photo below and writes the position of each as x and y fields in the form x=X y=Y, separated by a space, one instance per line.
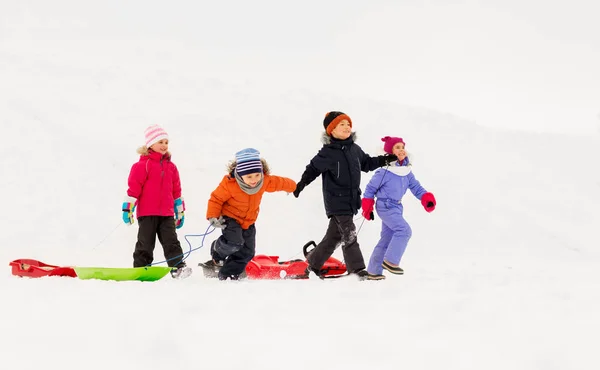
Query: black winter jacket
x=340 y=163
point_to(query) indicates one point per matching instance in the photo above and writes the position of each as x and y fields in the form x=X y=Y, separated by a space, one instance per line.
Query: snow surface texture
x=502 y=275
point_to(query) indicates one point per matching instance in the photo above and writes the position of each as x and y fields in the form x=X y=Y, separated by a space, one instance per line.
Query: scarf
x=245 y=187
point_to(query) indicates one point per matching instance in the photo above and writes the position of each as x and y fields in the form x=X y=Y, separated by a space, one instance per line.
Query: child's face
x=252 y=179
x=342 y=131
x=161 y=146
x=399 y=151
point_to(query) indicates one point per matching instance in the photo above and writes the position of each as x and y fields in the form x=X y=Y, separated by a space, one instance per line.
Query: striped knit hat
x=248 y=161
x=154 y=134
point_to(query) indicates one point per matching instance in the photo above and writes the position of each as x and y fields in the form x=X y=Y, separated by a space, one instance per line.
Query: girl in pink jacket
x=154 y=192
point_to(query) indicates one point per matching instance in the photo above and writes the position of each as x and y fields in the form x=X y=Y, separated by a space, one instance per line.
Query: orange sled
x=35 y=269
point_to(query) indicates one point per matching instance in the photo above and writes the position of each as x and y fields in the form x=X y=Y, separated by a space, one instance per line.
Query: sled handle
x=305 y=248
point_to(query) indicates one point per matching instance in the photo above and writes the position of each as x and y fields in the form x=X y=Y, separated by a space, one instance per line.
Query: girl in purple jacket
x=389 y=185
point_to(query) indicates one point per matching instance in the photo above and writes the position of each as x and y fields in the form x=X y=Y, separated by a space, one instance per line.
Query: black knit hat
x=333 y=118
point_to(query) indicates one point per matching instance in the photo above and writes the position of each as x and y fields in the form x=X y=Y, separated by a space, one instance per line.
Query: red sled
x=269 y=267
x=36 y=269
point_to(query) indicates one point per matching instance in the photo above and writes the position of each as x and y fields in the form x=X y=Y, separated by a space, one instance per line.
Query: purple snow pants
x=395 y=234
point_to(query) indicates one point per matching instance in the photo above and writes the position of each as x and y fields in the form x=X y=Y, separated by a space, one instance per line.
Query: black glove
x=387 y=159
x=299 y=187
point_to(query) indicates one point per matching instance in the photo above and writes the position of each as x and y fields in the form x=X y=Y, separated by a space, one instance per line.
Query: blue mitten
x=128 y=208
x=179 y=212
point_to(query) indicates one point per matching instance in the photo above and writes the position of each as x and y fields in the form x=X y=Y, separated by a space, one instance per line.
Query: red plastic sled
x=269 y=267
x=35 y=269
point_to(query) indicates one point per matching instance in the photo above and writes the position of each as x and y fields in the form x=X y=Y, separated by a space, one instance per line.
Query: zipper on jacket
x=162 y=178
x=352 y=207
x=338 y=175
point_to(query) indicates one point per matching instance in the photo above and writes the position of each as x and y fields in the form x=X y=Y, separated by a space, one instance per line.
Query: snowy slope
x=501 y=275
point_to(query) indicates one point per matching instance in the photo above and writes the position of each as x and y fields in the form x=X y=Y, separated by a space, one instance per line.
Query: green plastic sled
x=151 y=273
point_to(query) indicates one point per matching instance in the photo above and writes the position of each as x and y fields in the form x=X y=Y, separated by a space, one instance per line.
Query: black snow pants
x=236 y=247
x=341 y=232
x=164 y=228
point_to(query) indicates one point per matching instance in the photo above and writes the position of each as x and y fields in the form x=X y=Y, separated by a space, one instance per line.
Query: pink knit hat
x=389 y=141
x=154 y=134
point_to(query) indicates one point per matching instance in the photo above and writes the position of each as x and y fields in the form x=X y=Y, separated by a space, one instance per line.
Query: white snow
x=502 y=275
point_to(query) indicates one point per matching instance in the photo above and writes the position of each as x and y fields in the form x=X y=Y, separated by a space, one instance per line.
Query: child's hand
x=217 y=223
x=128 y=208
x=428 y=202
x=387 y=159
x=179 y=212
x=299 y=187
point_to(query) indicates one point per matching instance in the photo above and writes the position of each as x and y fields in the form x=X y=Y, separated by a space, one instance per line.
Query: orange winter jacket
x=228 y=199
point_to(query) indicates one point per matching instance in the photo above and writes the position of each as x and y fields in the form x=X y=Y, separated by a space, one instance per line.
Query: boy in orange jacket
x=233 y=207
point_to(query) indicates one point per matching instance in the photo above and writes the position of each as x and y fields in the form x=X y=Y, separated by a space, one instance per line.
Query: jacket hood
x=326 y=139
x=145 y=151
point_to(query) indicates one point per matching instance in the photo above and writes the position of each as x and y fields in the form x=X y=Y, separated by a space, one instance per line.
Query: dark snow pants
x=341 y=232
x=236 y=247
x=164 y=228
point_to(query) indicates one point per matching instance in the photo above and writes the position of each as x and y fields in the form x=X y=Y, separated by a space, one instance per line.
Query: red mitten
x=367 y=208
x=428 y=201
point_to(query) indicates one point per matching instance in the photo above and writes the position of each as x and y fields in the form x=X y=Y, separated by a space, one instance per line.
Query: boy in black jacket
x=340 y=162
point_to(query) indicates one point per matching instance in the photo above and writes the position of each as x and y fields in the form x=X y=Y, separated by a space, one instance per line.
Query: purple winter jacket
x=392 y=182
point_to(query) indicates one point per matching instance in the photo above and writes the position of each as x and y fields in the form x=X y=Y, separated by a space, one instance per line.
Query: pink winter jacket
x=154 y=182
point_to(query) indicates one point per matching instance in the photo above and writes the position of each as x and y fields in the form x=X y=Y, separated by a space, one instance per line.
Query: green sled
x=151 y=273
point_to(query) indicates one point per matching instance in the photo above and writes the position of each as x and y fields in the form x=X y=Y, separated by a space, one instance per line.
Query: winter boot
x=361 y=274
x=223 y=277
x=320 y=273
x=376 y=277
x=393 y=269
x=211 y=268
x=181 y=271
x=212 y=264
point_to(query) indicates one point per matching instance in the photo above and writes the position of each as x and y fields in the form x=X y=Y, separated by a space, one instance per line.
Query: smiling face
x=161 y=146
x=252 y=179
x=342 y=131
x=399 y=151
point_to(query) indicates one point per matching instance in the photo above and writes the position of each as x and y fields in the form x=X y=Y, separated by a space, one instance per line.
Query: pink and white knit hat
x=154 y=134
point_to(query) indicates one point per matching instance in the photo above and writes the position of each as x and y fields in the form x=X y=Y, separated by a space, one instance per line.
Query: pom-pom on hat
x=248 y=161
x=389 y=143
x=332 y=119
x=154 y=134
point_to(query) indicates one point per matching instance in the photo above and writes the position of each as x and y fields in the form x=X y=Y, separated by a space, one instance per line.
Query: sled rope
x=356 y=218
x=378 y=187
x=107 y=235
x=186 y=254
x=363 y=219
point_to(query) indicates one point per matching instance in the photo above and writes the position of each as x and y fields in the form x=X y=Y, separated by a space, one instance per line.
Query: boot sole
x=392 y=269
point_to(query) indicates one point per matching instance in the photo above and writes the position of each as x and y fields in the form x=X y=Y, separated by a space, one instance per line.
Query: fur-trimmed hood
x=326 y=139
x=144 y=150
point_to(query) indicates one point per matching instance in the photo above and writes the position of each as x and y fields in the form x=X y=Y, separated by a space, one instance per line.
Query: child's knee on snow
x=227 y=249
